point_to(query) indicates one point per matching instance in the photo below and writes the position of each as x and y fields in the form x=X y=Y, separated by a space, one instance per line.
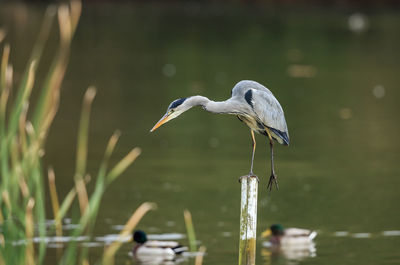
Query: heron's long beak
x=266 y=233
x=163 y=120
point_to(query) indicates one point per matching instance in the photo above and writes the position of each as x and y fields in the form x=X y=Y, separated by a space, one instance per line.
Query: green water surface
x=339 y=90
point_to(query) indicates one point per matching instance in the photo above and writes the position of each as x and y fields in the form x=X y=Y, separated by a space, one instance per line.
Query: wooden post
x=248 y=220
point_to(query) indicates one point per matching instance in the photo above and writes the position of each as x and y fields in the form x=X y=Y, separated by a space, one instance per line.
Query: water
x=337 y=83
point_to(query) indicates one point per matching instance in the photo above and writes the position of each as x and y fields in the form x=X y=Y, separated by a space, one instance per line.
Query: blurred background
x=334 y=67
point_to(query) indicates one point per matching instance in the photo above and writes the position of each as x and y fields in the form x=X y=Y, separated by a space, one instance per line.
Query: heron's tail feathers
x=281 y=137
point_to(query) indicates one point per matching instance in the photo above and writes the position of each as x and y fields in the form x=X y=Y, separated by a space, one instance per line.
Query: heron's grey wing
x=270 y=112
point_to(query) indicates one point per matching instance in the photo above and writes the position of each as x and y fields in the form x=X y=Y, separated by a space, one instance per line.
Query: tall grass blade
x=66 y=205
x=83 y=133
x=49 y=95
x=37 y=49
x=82 y=147
x=23 y=96
x=123 y=164
x=5 y=87
x=190 y=230
x=54 y=200
x=100 y=183
x=22 y=128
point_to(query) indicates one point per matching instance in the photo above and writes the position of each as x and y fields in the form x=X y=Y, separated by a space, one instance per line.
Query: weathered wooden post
x=248 y=220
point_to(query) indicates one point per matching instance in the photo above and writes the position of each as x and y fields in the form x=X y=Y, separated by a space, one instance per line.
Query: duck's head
x=139 y=237
x=176 y=108
x=275 y=230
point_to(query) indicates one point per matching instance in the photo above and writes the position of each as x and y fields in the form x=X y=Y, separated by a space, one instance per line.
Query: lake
x=335 y=72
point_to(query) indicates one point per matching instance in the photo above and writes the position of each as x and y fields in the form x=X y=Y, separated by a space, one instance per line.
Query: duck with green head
x=160 y=250
x=289 y=236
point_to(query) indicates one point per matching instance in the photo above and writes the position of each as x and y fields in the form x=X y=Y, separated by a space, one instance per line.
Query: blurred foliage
x=22 y=148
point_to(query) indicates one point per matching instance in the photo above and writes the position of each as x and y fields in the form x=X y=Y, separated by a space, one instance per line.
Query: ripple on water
x=166 y=236
x=361 y=235
x=391 y=233
x=341 y=233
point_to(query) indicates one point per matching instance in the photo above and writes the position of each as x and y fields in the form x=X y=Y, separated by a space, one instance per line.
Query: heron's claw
x=254 y=176
x=273 y=179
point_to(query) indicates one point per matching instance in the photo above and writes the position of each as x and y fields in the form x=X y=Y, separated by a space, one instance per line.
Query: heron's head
x=275 y=230
x=139 y=236
x=175 y=109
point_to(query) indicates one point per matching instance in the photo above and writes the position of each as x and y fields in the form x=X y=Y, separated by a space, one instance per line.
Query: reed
x=200 y=254
x=190 y=230
x=22 y=147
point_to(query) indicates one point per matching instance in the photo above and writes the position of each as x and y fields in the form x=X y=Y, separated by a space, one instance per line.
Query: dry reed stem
x=64 y=21
x=200 y=255
x=112 y=143
x=76 y=10
x=30 y=251
x=82 y=195
x=4 y=65
x=30 y=80
x=108 y=257
x=2 y=35
x=22 y=126
x=22 y=185
x=54 y=200
x=5 y=93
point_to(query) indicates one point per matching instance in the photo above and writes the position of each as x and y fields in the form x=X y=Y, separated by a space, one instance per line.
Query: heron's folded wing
x=269 y=111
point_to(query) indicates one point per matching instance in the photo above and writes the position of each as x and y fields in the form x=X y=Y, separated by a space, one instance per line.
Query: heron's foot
x=273 y=179
x=250 y=175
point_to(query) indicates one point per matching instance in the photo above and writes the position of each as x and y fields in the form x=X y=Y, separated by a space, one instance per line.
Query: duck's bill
x=163 y=120
x=266 y=233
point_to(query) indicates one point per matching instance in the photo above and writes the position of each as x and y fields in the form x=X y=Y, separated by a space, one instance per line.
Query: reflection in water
x=158 y=260
x=292 y=253
x=294 y=244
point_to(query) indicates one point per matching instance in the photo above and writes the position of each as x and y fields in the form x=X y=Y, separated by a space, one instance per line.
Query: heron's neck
x=209 y=105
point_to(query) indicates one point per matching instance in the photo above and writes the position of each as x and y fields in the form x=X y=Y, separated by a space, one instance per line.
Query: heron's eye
x=171 y=110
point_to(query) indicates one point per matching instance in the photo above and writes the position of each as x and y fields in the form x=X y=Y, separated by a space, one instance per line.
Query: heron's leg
x=254 y=149
x=273 y=177
x=251 y=174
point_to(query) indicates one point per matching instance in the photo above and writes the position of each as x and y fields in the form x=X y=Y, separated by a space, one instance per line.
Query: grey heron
x=253 y=104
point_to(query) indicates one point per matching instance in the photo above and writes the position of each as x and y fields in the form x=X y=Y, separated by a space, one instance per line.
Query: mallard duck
x=160 y=250
x=290 y=236
x=292 y=243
